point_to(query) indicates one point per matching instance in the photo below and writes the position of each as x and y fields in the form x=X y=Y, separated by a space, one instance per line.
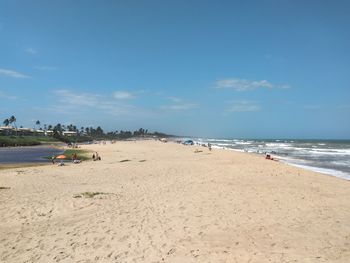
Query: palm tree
x=13 y=120
x=37 y=122
x=6 y=122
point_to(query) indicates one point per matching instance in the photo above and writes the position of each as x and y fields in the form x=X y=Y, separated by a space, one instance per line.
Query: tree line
x=85 y=133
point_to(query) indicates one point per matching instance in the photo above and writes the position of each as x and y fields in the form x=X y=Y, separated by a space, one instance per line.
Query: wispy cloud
x=45 y=68
x=344 y=107
x=175 y=99
x=243 y=106
x=178 y=104
x=6 y=96
x=244 y=84
x=70 y=101
x=81 y=99
x=12 y=73
x=31 y=51
x=123 y=95
x=312 y=107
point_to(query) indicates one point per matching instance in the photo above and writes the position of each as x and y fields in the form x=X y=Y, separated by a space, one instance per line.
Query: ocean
x=330 y=157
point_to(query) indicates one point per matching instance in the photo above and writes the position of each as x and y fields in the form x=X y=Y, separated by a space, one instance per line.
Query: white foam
x=330 y=151
x=244 y=143
x=343 y=163
x=279 y=145
x=223 y=144
x=220 y=140
x=299 y=154
x=332 y=172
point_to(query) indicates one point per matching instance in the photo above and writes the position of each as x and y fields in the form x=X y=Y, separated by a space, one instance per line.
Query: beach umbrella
x=61 y=157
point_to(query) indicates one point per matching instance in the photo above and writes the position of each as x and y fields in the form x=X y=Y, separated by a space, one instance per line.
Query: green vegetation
x=81 y=154
x=88 y=194
x=90 y=134
x=10 y=135
x=6 y=141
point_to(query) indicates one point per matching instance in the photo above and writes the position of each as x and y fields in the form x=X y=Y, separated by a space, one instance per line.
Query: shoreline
x=319 y=170
x=311 y=155
x=7 y=166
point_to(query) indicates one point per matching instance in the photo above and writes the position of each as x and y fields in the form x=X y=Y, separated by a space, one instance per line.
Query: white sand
x=169 y=204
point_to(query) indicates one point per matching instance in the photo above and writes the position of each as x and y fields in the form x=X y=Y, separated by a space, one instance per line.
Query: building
x=69 y=133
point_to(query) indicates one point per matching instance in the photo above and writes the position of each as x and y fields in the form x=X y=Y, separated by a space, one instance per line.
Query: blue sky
x=251 y=69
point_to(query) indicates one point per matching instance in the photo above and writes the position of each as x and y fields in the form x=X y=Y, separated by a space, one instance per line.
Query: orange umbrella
x=61 y=157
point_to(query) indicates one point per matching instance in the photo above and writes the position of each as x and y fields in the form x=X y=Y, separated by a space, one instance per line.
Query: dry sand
x=162 y=202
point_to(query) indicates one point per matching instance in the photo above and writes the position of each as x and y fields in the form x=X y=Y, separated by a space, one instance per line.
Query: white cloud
x=243 y=106
x=45 y=68
x=73 y=102
x=179 y=104
x=244 y=84
x=5 y=96
x=123 y=95
x=81 y=99
x=12 y=73
x=175 y=99
x=31 y=51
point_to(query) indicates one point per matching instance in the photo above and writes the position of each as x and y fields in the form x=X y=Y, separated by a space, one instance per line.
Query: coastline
x=323 y=171
x=330 y=157
x=150 y=201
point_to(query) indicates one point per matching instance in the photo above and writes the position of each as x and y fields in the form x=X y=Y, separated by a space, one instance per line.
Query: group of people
x=75 y=158
x=269 y=157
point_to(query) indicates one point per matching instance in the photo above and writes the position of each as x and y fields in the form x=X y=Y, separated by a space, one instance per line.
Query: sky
x=216 y=69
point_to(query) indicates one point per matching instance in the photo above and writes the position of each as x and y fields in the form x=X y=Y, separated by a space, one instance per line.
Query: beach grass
x=83 y=155
x=6 y=141
x=88 y=194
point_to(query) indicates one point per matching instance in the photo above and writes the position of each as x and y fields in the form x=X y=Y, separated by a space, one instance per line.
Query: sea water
x=330 y=157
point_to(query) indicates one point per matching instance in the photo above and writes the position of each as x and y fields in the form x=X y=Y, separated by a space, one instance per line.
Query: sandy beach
x=148 y=201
